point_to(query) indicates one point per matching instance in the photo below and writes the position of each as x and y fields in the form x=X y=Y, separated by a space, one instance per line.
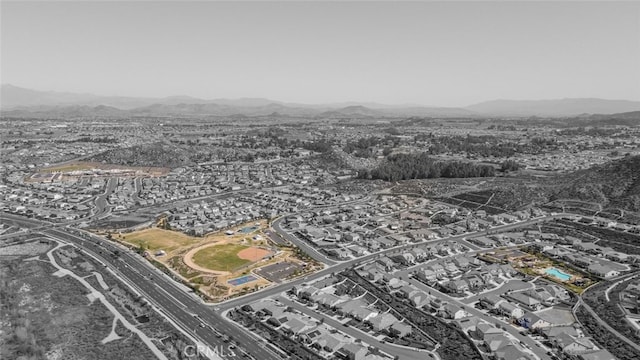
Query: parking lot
x=279 y=271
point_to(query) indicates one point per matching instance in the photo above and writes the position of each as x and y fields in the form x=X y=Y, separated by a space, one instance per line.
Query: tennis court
x=242 y=280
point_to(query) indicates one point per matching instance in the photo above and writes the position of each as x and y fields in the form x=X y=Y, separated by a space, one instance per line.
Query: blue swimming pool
x=248 y=229
x=557 y=274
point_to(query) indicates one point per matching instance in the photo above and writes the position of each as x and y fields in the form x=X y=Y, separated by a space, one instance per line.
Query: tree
x=142 y=248
x=509 y=165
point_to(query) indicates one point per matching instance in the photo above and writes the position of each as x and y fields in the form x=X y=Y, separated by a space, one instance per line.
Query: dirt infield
x=253 y=254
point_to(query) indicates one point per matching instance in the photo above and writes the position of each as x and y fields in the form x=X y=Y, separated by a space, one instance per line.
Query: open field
x=160 y=239
x=221 y=257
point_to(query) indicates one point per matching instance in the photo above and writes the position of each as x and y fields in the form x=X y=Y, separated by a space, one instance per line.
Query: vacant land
x=160 y=239
x=68 y=167
x=88 y=165
x=221 y=257
x=625 y=242
x=44 y=316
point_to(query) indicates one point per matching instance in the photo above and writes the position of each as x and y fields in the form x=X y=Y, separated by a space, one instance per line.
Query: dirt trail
x=98 y=295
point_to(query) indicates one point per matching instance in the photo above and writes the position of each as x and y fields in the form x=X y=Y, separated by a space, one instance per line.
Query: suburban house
x=511 y=310
x=603 y=271
x=524 y=300
x=382 y=321
x=450 y=311
x=532 y=321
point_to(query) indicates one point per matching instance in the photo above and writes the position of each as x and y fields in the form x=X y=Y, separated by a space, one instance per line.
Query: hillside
x=631 y=118
x=154 y=155
x=355 y=111
x=559 y=107
x=67 y=112
x=614 y=184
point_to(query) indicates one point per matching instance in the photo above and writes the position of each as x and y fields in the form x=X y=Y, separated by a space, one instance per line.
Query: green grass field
x=220 y=257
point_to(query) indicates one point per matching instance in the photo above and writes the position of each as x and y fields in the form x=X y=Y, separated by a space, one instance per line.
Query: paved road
x=137 y=186
x=310 y=250
x=511 y=285
x=604 y=324
x=581 y=302
x=102 y=206
x=182 y=307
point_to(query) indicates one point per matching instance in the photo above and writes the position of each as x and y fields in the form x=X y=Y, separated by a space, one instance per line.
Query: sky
x=427 y=53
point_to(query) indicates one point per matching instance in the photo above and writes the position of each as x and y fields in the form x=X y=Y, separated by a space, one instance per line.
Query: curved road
x=102 y=206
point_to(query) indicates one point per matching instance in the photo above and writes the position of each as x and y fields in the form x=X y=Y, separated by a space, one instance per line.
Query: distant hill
x=17 y=101
x=357 y=111
x=631 y=118
x=420 y=111
x=21 y=102
x=14 y=96
x=616 y=183
x=71 y=112
x=17 y=97
x=221 y=110
x=562 y=107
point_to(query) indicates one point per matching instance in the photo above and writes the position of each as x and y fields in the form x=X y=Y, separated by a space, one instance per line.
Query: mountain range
x=18 y=101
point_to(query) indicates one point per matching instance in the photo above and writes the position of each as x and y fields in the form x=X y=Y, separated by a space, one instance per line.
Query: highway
x=161 y=291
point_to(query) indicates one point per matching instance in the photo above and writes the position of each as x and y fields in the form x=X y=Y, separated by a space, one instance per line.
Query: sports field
x=156 y=239
x=242 y=280
x=220 y=257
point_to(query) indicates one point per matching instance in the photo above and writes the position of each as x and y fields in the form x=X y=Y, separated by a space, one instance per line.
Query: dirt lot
x=87 y=165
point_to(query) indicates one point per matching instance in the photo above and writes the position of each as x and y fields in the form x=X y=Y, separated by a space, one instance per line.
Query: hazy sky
x=430 y=53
